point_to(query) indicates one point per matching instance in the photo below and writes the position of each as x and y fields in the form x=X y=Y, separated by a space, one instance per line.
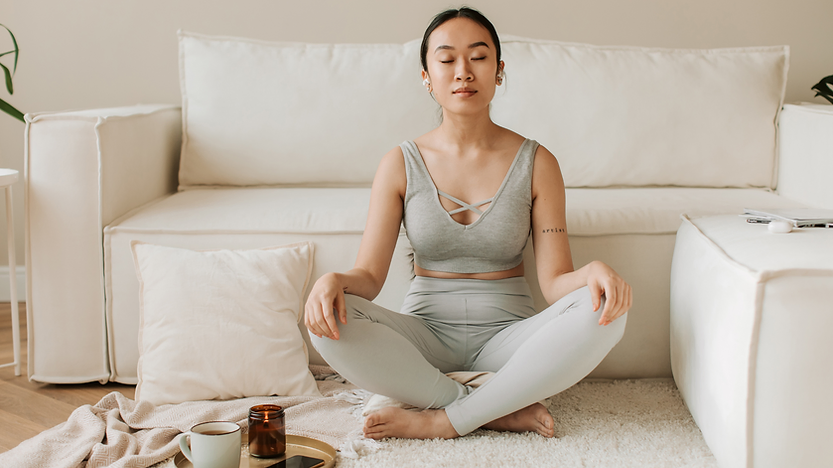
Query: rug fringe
x=358 y=447
x=356 y=397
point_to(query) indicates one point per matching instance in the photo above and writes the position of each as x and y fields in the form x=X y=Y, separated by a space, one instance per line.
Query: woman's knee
x=355 y=308
x=583 y=304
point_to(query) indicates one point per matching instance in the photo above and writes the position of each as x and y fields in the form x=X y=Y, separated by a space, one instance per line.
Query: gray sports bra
x=494 y=242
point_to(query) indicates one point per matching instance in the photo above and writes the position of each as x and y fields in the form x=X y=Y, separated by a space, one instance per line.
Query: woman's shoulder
x=393 y=160
x=514 y=139
x=390 y=175
x=509 y=138
x=542 y=157
x=545 y=155
x=546 y=172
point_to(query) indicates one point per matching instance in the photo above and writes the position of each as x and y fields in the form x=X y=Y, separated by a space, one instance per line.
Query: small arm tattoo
x=554 y=230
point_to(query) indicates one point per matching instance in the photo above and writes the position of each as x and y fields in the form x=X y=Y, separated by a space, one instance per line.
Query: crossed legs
x=536 y=358
x=400 y=356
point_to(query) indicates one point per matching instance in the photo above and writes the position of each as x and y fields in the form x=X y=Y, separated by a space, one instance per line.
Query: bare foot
x=533 y=418
x=398 y=422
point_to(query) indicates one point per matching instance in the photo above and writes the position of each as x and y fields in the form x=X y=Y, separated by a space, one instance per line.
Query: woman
x=469 y=306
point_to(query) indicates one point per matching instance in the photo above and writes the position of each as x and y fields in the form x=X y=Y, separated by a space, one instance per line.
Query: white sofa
x=277 y=143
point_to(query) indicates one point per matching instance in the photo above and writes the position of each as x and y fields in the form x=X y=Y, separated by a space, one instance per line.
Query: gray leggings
x=451 y=325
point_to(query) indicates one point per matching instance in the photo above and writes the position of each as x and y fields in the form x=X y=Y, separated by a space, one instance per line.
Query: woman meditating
x=469 y=193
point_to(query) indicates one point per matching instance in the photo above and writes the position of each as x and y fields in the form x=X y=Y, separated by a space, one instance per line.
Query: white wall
x=104 y=53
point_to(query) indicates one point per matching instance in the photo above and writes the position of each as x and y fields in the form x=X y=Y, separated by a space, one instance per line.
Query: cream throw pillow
x=221 y=324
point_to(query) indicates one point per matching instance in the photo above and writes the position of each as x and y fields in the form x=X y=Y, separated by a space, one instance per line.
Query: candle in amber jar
x=267 y=431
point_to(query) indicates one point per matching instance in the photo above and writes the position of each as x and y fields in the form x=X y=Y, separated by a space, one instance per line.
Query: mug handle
x=183 y=445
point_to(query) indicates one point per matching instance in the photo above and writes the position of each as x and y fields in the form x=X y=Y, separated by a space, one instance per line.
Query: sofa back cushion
x=277 y=114
x=631 y=116
x=266 y=113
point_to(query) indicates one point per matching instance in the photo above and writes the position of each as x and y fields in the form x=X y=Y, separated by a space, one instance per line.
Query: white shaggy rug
x=610 y=424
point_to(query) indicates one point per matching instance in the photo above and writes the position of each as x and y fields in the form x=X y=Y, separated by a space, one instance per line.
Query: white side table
x=7 y=178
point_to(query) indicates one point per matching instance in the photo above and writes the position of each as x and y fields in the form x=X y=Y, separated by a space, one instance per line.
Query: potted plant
x=5 y=106
x=825 y=88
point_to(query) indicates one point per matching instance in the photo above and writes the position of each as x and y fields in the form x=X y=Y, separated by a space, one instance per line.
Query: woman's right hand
x=326 y=296
x=366 y=278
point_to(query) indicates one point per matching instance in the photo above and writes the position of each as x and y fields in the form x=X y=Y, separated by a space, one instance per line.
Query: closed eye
x=479 y=58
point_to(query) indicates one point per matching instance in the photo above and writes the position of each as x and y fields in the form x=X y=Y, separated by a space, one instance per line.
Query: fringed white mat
x=610 y=424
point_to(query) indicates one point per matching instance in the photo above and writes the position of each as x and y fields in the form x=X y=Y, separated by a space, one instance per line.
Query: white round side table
x=7 y=178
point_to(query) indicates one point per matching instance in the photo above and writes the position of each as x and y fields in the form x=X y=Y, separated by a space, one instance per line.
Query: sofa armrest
x=806 y=154
x=84 y=169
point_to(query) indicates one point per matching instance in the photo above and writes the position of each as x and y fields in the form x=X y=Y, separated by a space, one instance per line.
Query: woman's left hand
x=601 y=279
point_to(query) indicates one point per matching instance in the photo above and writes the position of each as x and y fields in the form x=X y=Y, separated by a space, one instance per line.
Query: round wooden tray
x=295 y=445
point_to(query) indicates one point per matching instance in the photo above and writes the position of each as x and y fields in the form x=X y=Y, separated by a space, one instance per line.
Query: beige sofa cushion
x=631 y=229
x=638 y=116
x=603 y=212
x=265 y=113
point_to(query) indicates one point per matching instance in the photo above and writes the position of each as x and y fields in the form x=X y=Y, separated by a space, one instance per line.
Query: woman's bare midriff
x=491 y=275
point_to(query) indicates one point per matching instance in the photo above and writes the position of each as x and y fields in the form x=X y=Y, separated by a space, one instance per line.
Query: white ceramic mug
x=214 y=444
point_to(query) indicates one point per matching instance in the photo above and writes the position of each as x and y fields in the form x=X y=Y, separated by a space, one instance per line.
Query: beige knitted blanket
x=120 y=432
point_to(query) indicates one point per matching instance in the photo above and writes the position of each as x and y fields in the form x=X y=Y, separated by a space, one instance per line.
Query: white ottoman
x=752 y=340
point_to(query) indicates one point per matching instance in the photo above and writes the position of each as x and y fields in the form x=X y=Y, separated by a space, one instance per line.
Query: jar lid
x=271 y=410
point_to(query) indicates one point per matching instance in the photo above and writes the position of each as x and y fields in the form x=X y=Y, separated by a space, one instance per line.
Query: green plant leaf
x=9 y=85
x=7 y=53
x=16 y=49
x=7 y=108
x=825 y=88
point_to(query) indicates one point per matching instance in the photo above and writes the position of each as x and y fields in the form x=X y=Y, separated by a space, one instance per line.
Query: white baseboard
x=5 y=295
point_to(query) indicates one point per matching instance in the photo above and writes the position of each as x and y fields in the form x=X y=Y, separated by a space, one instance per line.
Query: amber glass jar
x=267 y=431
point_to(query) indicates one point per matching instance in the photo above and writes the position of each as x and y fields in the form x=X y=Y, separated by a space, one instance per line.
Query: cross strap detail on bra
x=463 y=205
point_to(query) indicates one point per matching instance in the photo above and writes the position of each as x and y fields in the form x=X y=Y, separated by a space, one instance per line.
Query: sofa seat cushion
x=290 y=210
x=600 y=212
x=631 y=229
x=211 y=219
x=590 y=212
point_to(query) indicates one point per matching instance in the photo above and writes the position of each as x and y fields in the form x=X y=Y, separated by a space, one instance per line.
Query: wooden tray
x=295 y=445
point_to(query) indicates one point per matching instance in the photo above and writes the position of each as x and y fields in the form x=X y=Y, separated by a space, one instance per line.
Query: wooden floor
x=27 y=408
